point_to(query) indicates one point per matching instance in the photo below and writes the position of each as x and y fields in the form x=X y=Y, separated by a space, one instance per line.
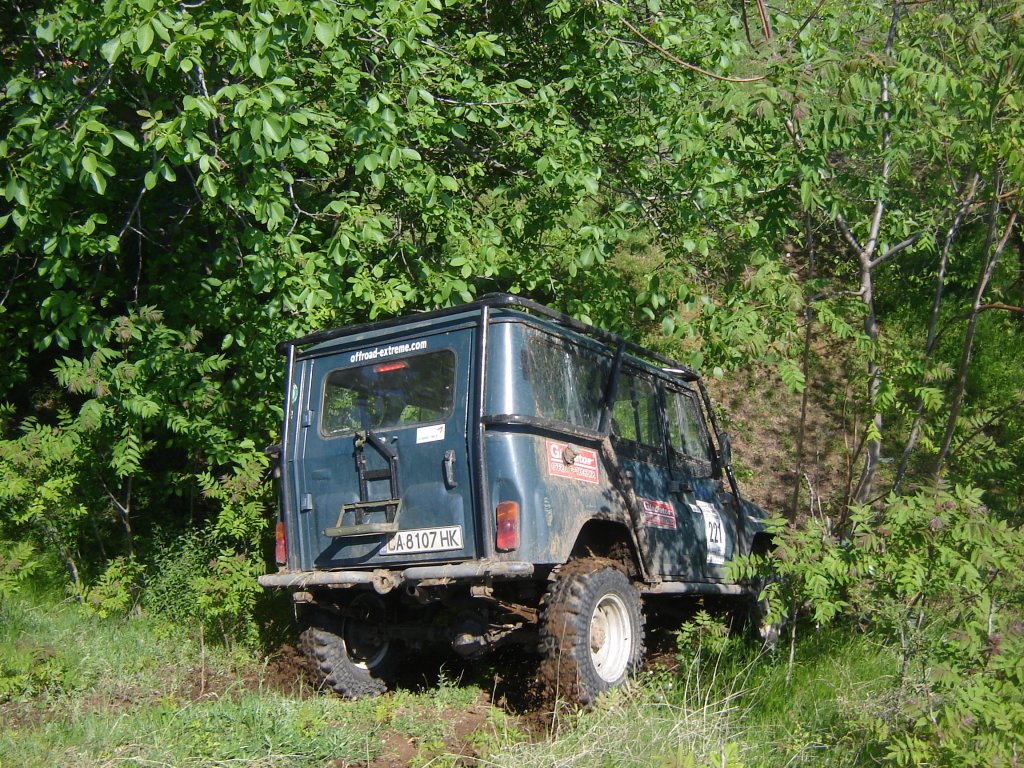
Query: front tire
x=750 y=617
x=592 y=630
x=352 y=654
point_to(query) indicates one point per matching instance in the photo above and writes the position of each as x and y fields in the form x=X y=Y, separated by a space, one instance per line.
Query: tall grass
x=77 y=690
x=638 y=725
x=733 y=706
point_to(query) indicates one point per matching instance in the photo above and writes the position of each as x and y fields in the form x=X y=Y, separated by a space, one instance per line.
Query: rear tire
x=592 y=631
x=352 y=654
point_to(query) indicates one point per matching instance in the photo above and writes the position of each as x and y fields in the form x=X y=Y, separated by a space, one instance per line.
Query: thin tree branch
x=929 y=346
x=844 y=229
x=88 y=95
x=795 y=36
x=132 y=212
x=14 y=277
x=685 y=64
x=766 y=22
x=988 y=423
x=896 y=249
x=992 y=257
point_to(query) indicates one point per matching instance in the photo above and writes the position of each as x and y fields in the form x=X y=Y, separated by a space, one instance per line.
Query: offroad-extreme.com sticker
x=658 y=514
x=367 y=355
x=582 y=467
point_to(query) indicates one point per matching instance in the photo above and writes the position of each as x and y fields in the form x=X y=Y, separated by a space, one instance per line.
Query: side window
x=691 y=450
x=565 y=380
x=635 y=414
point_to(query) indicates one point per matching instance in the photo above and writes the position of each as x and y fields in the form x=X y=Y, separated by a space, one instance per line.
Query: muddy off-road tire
x=750 y=620
x=349 y=655
x=592 y=631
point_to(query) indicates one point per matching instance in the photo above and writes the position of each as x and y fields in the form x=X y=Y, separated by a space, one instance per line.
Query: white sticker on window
x=714 y=531
x=430 y=434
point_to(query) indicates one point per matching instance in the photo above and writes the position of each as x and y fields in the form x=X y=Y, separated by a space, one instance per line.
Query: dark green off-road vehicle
x=497 y=473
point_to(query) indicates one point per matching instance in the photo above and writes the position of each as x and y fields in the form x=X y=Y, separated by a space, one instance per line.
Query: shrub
x=938 y=575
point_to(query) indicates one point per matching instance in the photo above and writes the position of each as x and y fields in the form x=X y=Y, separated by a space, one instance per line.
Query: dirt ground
x=507 y=680
x=763 y=420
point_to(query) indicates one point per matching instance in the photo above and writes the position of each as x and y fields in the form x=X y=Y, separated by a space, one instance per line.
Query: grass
x=737 y=707
x=76 y=690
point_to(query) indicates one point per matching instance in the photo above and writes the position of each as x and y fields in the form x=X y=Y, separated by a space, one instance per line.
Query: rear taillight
x=507 y=526
x=280 y=545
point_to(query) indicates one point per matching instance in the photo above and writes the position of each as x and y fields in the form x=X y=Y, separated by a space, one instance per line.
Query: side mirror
x=724 y=449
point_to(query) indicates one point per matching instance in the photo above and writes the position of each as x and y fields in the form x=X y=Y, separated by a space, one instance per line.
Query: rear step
x=392 y=508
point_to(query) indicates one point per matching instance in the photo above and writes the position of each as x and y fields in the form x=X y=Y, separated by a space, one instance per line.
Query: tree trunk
x=873 y=444
x=866 y=257
x=988 y=267
x=808 y=326
x=929 y=346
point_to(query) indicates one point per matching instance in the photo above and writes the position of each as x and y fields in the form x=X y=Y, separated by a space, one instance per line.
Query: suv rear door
x=383 y=464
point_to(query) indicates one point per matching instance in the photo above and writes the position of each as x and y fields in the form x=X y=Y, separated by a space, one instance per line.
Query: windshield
x=394 y=393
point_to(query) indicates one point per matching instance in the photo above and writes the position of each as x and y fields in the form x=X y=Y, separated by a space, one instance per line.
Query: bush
x=194 y=583
x=938 y=576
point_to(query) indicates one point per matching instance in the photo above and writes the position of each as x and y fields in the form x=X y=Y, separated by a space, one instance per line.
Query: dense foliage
x=186 y=184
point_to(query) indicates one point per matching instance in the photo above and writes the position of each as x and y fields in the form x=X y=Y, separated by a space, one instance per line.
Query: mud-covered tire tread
x=323 y=645
x=566 y=671
x=750 y=620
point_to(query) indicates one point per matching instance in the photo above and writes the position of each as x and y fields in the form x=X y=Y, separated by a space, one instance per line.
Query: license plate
x=424 y=540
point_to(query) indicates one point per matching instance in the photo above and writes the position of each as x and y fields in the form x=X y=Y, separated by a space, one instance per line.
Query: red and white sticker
x=430 y=434
x=658 y=514
x=583 y=466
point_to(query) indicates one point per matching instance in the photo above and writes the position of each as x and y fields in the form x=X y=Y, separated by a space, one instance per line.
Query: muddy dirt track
x=507 y=679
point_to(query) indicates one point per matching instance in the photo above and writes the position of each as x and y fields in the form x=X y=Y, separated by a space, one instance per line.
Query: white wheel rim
x=364 y=647
x=611 y=638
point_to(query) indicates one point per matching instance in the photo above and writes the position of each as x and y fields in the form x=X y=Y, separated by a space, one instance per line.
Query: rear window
x=392 y=393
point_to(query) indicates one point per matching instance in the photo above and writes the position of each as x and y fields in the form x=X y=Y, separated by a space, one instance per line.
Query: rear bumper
x=385 y=579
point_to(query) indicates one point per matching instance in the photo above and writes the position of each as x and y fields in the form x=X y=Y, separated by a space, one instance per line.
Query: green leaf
x=324 y=33
x=234 y=40
x=791 y=376
x=259 y=65
x=112 y=49
x=144 y=37
x=125 y=138
x=272 y=128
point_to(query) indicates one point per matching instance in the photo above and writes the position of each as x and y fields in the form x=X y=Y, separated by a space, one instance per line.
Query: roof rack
x=500 y=301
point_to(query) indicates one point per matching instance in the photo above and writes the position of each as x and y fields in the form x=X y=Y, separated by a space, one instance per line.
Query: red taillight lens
x=280 y=545
x=507 y=524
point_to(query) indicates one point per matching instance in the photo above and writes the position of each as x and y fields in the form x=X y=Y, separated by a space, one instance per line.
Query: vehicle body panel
x=539 y=410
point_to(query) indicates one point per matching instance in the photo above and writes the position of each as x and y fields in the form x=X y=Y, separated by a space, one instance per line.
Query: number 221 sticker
x=714 y=532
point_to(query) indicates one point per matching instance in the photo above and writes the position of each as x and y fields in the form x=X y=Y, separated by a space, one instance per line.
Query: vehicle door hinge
x=307 y=418
x=679 y=486
x=306 y=502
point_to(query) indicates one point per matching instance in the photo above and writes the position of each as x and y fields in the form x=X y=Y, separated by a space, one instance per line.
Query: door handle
x=448 y=466
x=679 y=486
